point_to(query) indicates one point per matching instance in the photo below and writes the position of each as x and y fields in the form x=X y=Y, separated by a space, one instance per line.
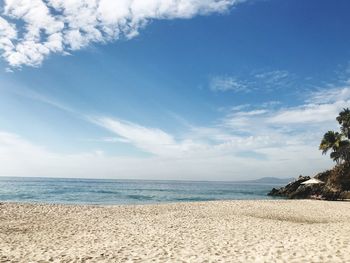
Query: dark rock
x=306 y=191
x=274 y=192
x=336 y=185
x=290 y=190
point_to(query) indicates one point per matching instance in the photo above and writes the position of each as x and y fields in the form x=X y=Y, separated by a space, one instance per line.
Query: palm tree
x=338 y=143
x=344 y=121
x=331 y=141
x=342 y=153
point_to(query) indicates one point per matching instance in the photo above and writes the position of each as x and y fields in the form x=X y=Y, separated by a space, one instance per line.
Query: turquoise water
x=87 y=191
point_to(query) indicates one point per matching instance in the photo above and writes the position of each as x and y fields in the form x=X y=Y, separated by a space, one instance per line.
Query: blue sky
x=212 y=90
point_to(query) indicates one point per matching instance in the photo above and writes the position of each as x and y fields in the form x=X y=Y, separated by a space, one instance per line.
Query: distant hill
x=270 y=180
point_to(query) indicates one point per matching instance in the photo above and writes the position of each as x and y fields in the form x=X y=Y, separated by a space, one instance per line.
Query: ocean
x=108 y=192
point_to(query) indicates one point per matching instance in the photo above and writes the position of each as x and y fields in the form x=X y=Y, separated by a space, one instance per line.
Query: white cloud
x=150 y=140
x=225 y=83
x=19 y=157
x=251 y=113
x=60 y=26
x=248 y=143
x=107 y=140
x=280 y=129
x=330 y=95
x=114 y=139
x=7 y=34
x=273 y=80
x=310 y=113
x=239 y=107
x=264 y=80
x=321 y=106
x=275 y=77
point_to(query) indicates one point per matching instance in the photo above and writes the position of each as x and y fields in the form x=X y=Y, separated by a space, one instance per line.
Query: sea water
x=91 y=191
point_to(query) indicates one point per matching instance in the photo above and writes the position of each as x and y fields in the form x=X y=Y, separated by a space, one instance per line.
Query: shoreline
x=239 y=231
x=274 y=199
x=101 y=205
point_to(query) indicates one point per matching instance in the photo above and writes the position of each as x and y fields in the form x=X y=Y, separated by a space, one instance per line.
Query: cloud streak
x=226 y=83
x=22 y=158
x=31 y=30
x=264 y=80
x=247 y=142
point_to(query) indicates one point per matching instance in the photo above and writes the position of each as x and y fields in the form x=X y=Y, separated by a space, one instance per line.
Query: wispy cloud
x=309 y=114
x=107 y=140
x=31 y=30
x=330 y=95
x=320 y=107
x=263 y=80
x=272 y=80
x=22 y=158
x=151 y=140
x=260 y=130
x=283 y=138
x=225 y=83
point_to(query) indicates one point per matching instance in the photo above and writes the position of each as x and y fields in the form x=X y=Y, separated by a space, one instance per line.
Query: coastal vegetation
x=338 y=142
x=332 y=184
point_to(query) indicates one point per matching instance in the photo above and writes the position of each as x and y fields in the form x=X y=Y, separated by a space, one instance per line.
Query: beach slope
x=223 y=231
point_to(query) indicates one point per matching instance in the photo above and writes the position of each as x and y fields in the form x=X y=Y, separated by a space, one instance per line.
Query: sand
x=224 y=231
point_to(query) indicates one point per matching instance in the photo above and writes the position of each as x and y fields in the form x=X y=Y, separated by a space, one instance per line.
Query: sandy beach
x=224 y=231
